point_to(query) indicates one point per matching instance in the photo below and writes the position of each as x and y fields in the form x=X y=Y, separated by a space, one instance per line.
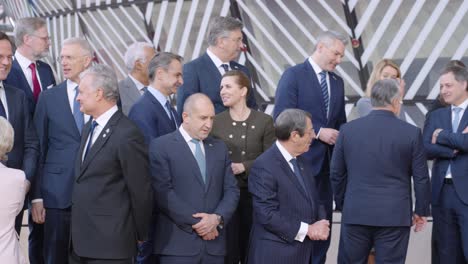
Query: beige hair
x=375 y=75
x=6 y=138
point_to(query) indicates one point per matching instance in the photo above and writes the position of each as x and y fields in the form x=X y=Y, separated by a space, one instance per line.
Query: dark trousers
x=451 y=224
x=75 y=259
x=36 y=241
x=145 y=249
x=203 y=258
x=391 y=244
x=238 y=229
x=326 y=196
x=56 y=235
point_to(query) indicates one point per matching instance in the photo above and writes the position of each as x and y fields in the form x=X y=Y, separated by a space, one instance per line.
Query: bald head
x=198 y=116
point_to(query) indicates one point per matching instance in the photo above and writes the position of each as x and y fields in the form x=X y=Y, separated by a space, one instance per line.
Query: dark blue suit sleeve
x=453 y=140
x=434 y=150
x=338 y=172
x=147 y=126
x=41 y=125
x=266 y=207
x=191 y=85
x=31 y=143
x=165 y=197
x=286 y=93
x=422 y=185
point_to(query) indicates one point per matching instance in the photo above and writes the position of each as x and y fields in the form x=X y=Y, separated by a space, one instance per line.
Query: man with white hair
x=136 y=59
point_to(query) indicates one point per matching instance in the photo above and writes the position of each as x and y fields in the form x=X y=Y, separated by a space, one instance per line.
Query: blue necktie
x=200 y=158
x=2 y=110
x=324 y=88
x=455 y=123
x=171 y=113
x=77 y=114
x=90 y=141
x=225 y=67
x=298 y=174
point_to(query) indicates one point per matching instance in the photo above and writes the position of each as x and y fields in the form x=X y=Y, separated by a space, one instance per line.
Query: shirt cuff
x=302 y=233
x=37 y=201
x=318 y=134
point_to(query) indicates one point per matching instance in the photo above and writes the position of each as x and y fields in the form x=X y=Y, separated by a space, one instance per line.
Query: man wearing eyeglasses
x=203 y=75
x=59 y=123
x=28 y=72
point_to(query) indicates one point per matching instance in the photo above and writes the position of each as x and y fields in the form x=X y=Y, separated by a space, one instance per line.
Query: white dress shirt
x=302 y=233
x=24 y=64
x=101 y=123
x=188 y=139
x=71 y=86
x=317 y=71
x=138 y=84
x=3 y=98
x=218 y=62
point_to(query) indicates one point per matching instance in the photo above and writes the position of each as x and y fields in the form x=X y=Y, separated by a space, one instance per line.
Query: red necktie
x=35 y=81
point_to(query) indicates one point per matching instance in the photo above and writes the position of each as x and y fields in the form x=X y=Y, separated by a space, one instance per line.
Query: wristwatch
x=220 y=221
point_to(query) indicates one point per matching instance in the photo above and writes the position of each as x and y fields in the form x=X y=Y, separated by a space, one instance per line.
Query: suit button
x=243 y=152
x=244 y=124
x=243 y=136
x=234 y=123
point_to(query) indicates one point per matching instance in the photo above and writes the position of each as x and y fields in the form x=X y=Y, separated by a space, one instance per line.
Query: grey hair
x=291 y=120
x=136 y=52
x=328 y=37
x=222 y=27
x=162 y=60
x=27 y=26
x=83 y=43
x=103 y=77
x=190 y=102
x=384 y=92
x=7 y=136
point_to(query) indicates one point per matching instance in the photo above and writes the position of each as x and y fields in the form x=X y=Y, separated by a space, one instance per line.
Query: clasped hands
x=206 y=228
x=319 y=230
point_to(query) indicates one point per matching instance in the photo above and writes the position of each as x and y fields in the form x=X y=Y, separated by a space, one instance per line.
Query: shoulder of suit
x=335 y=76
x=55 y=89
x=41 y=63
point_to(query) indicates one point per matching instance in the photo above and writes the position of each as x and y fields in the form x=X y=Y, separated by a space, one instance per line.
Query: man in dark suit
x=154 y=115
x=287 y=214
x=446 y=142
x=14 y=107
x=112 y=196
x=59 y=123
x=314 y=88
x=203 y=75
x=137 y=59
x=29 y=73
x=373 y=162
x=195 y=190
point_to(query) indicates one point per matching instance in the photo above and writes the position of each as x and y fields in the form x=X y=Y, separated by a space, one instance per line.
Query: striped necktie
x=324 y=88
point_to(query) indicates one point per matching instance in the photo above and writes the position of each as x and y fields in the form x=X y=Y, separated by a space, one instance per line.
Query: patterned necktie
x=77 y=114
x=324 y=88
x=456 y=118
x=171 y=113
x=200 y=158
x=35 y=82
x=94 y=124
x=143 y=90
x=2 y=108
x=225 y=67
x=298 y=174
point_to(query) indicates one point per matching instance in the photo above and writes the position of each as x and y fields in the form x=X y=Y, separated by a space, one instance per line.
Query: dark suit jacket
x=373 y=161
x=59 y=140
x=151 y=117
x=443 y=152
x=180 y=192
x=112 y=196
x=202 y=76
x=129 y=94
x=280 y=204
x=300 y=88
x=25 y=150
x=16 y=78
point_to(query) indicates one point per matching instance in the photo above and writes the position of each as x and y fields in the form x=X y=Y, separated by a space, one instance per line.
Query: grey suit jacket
x=129 y=94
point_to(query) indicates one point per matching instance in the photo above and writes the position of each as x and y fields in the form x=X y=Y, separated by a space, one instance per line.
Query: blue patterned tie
x=77 y=114
x=324 y=88
x=200 y=158
x=225 y=67
x=298 y=174
x=171 y=113
x=455 y=123
x=90 y=141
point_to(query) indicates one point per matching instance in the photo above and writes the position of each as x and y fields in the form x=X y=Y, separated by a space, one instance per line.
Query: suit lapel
x=160 y=109
x=210 y=160
x=332 y=95
x=43 y=72
x=211 y=69
x=463 y=121
x=311 y=78
x=11 y=102
x=29 y=93
x=63 y=103
x=187 y=156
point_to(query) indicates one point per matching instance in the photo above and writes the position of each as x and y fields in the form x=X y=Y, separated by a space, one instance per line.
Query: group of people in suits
x=115 y=174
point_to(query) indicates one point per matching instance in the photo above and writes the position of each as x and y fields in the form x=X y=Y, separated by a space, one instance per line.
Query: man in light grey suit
x=136 y=59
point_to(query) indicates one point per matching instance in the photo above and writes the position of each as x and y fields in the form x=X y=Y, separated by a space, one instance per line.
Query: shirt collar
x=71 y=85
x=138 y=84
x=106 y=116
x=22 y=60
x=462 y=105
x=286 y=155
x=185 y=134
x=217 y=61
x=315 y=66
x=162 y=99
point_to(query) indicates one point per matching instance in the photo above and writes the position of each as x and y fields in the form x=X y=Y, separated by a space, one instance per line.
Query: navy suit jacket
x=25 y=150
x=373 y=162
x=443 y=152
x=151 y=117
x=202 y=76
x=180 y=192
x=300 y=88
x=16 y=78
x=59 y=140
x=280 y=204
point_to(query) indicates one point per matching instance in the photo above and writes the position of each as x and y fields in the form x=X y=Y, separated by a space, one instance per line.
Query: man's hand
x=319 y=230
x=207 y=224
x=328 y=135
x=419 y=222
x=212 y=235
x=237 y=168
x=435 y=134
x=465 y=130
x=38 y=212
